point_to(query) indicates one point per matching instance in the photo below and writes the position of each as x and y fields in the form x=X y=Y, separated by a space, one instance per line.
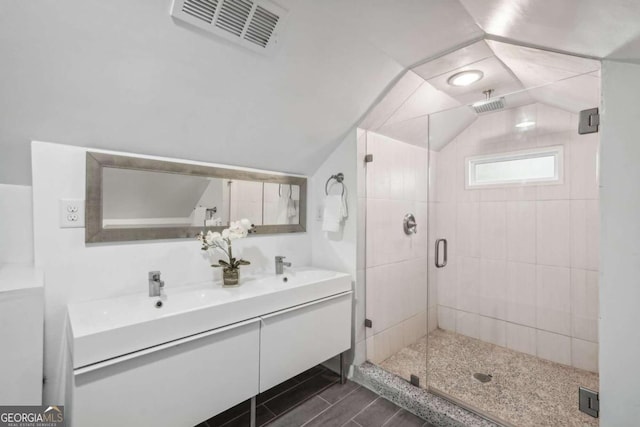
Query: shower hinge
x=368 y=158
x=589 y=121
x=589 y=402
x=415 y=380
x=368 y=323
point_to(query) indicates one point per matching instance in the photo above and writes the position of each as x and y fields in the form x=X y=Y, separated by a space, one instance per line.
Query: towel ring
x=339 y=178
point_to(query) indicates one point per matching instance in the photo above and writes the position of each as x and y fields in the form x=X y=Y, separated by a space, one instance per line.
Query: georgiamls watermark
x=32 y=416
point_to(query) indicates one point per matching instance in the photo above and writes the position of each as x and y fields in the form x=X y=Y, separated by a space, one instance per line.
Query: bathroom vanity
x=198 y=350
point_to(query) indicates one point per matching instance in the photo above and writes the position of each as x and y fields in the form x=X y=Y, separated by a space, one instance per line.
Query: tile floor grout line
x=353 y=421
x=302 y=402
x=329 y=403
x=363 y=409
x=345 y=396
x=392 y=416
x=233 y=419
x=269 y=420
x=319 y=413
x=268 y=409
x=288 y=389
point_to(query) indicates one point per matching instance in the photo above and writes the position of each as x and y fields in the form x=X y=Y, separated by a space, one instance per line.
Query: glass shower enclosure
x=493 y=302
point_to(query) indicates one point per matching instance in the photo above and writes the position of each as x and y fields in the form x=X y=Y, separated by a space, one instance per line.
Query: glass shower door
x=513 y=220
x=396 y=249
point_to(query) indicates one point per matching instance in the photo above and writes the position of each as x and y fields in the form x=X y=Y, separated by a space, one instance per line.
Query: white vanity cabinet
x=294 y=339
x=206 y=349
x=178 y=384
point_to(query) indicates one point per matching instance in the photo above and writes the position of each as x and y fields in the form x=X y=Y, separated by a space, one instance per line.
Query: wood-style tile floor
x=316 y=398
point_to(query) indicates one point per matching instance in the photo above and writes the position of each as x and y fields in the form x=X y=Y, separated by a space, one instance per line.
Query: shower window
x=537 y=166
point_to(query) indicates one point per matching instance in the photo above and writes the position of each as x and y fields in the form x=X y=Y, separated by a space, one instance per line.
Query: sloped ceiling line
x=399 y=107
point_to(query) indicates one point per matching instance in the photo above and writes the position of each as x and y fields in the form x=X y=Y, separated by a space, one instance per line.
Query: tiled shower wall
x=396 y=264
x=523 y=260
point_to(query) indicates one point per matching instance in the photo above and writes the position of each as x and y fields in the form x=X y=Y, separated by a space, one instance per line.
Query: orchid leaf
x=243 y=262
x=216 y=265
x=224 y=263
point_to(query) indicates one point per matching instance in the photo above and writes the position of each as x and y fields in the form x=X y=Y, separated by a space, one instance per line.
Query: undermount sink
x=107 y=328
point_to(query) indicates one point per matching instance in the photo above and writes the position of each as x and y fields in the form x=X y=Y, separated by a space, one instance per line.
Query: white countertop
x=108 y=328
x=15 y=277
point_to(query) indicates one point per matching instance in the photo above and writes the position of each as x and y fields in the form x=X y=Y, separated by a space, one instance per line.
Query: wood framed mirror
x=135 y=198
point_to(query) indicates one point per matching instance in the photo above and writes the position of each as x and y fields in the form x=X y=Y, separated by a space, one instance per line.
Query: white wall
x=337 y=251
x=396 y=263
x=523 y=260
x=620 y=265
x=16 y=224
x=75 y=271
x=98 y=74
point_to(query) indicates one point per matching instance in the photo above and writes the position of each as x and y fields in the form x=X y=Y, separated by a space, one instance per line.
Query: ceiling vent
x=251 y=23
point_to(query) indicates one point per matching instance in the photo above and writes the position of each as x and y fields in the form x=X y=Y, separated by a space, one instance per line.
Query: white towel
x=335 y=211
x=291 y=208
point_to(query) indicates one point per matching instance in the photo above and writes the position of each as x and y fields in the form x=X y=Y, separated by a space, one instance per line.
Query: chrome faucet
x=280 y=264
x=155 y=284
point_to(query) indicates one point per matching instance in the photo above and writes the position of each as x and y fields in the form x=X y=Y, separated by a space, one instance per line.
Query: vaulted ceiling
x=99 y=74
x=605 y=29
x=516 y=74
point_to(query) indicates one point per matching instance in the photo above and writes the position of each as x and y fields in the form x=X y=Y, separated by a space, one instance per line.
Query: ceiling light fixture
x=525 y=124
x=465 y=78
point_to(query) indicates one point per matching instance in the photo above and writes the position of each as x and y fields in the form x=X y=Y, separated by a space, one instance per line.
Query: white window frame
x=556 y=151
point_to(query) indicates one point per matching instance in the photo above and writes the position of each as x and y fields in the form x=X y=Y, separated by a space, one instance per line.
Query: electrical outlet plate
x=71 y=213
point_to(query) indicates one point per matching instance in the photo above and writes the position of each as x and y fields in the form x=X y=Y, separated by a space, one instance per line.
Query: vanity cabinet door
x=181 y=383
x=298 y=338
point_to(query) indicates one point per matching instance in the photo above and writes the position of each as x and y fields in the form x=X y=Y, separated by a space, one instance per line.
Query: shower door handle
x=444 y=258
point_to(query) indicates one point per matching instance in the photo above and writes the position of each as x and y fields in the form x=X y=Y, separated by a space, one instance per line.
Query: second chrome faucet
x=280 y=264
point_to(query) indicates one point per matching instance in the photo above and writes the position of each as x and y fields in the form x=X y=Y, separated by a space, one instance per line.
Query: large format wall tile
x=584 y=304
x=468 y=229
x=553 y=233
x=583 y=168
x=547 y=234
x=521 y=293
x=585 y=234
x=468 y=289
x=554 y=347
x=521 y=338
x=493 y=230
x=521 y=231
x=553 y=299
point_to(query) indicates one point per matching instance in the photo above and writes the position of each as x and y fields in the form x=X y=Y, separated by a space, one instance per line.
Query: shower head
x=489 y=104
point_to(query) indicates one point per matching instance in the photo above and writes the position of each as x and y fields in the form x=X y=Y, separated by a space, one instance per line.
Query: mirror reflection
x=147 y=199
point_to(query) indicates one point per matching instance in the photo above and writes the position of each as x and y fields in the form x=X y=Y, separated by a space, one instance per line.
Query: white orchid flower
x=222 y=241
x=236 y=231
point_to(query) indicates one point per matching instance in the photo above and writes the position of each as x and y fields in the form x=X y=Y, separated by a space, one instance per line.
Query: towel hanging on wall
x=335 y=206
